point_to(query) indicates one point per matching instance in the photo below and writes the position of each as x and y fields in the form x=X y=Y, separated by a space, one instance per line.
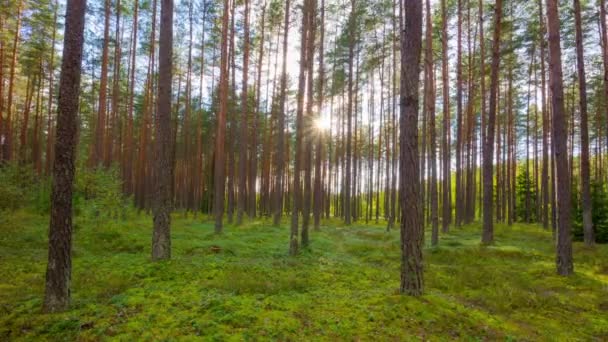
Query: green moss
x=242 y=285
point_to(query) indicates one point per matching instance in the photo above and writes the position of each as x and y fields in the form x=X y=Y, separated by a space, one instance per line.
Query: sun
x=323 y=123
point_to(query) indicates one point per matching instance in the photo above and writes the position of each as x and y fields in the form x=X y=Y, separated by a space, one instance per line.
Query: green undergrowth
x=242 y=285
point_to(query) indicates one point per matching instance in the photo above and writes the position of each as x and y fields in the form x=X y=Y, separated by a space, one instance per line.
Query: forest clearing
x=242 y=286
x=303 y=170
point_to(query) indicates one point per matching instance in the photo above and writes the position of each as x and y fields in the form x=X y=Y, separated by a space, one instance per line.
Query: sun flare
x=323 y=123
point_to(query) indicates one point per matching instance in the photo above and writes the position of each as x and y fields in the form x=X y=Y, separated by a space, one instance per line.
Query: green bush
x=599 y=199
x=526 y=188
x=16 y=185
x=97 y=192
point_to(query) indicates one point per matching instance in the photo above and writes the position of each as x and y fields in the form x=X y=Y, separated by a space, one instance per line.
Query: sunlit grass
x=243 y=285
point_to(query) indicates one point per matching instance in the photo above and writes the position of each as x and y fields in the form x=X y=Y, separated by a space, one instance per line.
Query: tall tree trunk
x=161 y=239
x=7 y=147
x=482 y=73
x=351 y=56
x=584 y=160
x=488 y=222
x=253 y=136
x=459 y=119
x=113 y=132
x=297 y=186
x=219 y=177
x=59 y=267
x=232 y=119
x=29 y=91
x=242 y=194
x=545 y=116
x=36 y=138
x=604 y=38
x=128 y=152
x=564 y=239
x=308 y=124
x=412 y=233
x=447 y=205
x=280 y=160
x=430 y=112
x=318 y=191
x=48 y=162
x=100 y=129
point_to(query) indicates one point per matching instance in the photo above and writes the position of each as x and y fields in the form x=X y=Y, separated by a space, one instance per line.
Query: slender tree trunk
x=100 y=129
x=430 y=103
x=219 y=177
x=349 y=114
x=242 y=194
x=253 y=136
x=297 y=186
x=161 y=239
x=584 y=158
x=318 y=191
x=412 y=280
x=112 y=134
x=37 y=134
x=49 y=128
x=488 y=222
x=128 y=152
x=459 y=119
x=564 y=239
x=482 y=66
x=280 y=160
x=59 y=267
x=545 y=116
x=26 y=115
x=7 y=151
x=447 y=206
x=604 y=39
x=308 y=124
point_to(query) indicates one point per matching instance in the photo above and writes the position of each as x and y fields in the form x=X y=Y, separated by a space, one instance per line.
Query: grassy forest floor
x=241 y=285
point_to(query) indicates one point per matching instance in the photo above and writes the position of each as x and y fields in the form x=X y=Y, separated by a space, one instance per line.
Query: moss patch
x=242 y=285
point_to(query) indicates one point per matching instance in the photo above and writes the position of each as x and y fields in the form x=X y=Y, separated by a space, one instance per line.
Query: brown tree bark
x=297 y=186
x=447 y=205
x=459 y=119
x=7 y=147
x=482 y=73
x=36 y=136
x=59 y=267
x=143 y=171
x=308 y=124
x=488 y=222
x=26 y=116
x=280 y=160
x=112 y=150
x=100 y=129
x=351 y=56
x=320 y=137
x=161 y=239
x=128 y=152
x=430 y=112
x=48 y=162
x=604 y=39
x=584 y=158
x=564 y=239
x=242 y=191
x=545 y=117
x=219 y=177
x=412 y=232
x=253 y=148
